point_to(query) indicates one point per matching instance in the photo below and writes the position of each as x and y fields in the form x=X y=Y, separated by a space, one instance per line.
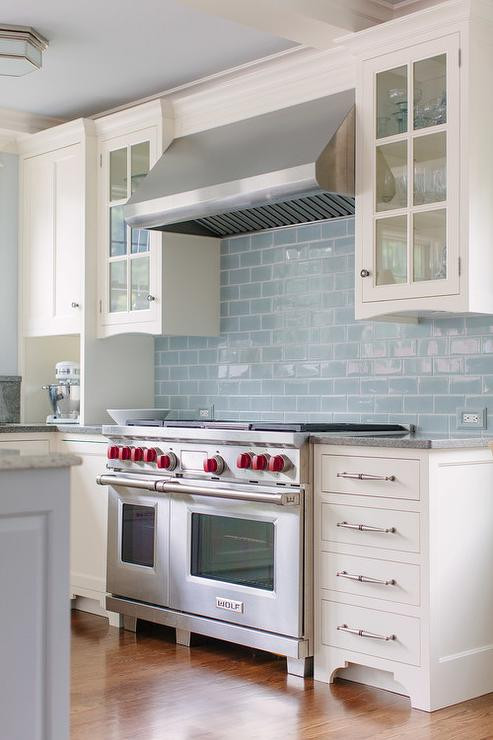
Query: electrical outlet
x=471 y=418
x=206 y=413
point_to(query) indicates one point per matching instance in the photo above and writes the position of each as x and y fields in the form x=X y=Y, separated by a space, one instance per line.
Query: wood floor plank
x=143 y=686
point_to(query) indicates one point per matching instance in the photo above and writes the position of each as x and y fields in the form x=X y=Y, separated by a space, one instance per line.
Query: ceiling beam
x=314 y=23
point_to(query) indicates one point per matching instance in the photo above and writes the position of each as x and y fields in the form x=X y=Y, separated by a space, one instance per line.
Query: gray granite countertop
x=411 y=441
x=38 y=462
x=419 y=441
x=6 y=428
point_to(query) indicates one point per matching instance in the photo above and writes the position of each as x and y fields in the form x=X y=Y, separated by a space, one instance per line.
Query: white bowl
x=121 y=416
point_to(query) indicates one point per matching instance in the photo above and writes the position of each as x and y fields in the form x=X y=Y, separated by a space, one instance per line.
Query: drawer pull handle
x=366 y=528
x=365 y=476
x=364 y=579
x=365 y=633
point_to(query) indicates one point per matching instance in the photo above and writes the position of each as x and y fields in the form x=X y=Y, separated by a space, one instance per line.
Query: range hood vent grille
x=315 y=207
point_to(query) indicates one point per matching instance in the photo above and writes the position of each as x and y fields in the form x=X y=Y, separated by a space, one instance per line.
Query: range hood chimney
x=291 y=166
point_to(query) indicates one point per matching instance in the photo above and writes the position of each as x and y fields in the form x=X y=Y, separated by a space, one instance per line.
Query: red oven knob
x=214 y=465
x=137 y=454
x=260 y=462
x=279 y=464
x=150 y=455
x=244 y=461
x=168 y=461
x=112 y=452
x=124 y=453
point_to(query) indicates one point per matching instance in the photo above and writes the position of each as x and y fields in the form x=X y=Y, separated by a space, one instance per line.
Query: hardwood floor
x=145 y=687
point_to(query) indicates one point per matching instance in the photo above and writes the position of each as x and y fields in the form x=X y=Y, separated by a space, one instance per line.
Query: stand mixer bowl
x=64 y=399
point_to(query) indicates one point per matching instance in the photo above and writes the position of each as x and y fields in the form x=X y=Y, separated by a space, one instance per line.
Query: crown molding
x=407 y=28
x=57 y=137
x=304 y=74
x=25 y=123
x=134 y=118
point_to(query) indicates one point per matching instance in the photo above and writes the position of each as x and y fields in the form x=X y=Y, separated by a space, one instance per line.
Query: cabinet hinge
x=460 y=270
x=460 y=57
x=100 y=160
x=100 y=306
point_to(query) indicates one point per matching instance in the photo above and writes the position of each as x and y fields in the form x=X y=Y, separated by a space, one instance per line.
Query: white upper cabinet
x=424 y=162
x=52 y=230
x=146 y=279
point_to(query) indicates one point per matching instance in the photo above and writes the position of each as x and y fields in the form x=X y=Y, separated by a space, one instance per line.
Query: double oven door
x=230 y=560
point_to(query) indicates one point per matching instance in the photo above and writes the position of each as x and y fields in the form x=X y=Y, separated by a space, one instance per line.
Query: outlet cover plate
x=472 y=418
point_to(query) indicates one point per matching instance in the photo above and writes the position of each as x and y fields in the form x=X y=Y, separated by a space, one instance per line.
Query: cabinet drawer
x=402 y=526
x=402 y=475
x=405 y=648
x=400 y=580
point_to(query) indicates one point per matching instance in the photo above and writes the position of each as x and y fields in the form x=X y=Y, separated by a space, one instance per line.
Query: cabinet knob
x=151 y=298
x=365 y=273
x=75 y=304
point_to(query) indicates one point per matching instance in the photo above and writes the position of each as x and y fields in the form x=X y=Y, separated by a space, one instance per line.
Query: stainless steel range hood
x=291 y=166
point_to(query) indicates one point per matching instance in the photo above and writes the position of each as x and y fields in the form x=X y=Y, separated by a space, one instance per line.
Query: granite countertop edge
x=37 y=462
x=12 y=428
x=409 y=442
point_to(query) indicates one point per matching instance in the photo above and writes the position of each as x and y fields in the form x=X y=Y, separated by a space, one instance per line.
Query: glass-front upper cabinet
x=128 y=283
x=409 y=199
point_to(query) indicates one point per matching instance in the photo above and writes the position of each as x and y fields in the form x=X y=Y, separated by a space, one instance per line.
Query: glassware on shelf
x=430 y=77
x=391 y=101
x=430 y=169
x=397 y=96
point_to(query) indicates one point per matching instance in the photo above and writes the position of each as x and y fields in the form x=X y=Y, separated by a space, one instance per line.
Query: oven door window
x=232 y=550
x=138 y=528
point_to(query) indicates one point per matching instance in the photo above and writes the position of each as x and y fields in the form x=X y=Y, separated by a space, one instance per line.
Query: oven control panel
x=196 y=459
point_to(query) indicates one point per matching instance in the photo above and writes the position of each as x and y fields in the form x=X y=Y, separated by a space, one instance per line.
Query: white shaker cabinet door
x=52 y=242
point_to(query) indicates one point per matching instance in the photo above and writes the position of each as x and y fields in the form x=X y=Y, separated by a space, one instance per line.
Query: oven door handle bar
x=162 y=486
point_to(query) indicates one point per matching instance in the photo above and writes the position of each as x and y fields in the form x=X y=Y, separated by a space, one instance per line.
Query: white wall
x=8 y=263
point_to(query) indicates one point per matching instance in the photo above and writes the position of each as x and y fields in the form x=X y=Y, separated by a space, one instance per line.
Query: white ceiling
x=108 y=52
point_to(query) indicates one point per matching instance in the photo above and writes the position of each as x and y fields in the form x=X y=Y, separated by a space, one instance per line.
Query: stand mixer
x=65 y=393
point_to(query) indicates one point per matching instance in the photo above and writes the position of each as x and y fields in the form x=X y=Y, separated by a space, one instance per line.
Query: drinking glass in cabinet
x=430 y=92
x=429 y=245
x=139 y=163
x=139 y=283
x=139 y=241
x=391 y=176
x=392 y=102
x=118 y=174
x=118 y=244
x=391 y=250
x=430 y=169
x=118 y=286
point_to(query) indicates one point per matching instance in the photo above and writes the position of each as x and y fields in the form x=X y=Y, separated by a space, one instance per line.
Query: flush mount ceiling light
x=21 y=49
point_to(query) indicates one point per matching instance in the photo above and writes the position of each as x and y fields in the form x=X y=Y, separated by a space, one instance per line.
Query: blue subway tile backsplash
x=291 y=350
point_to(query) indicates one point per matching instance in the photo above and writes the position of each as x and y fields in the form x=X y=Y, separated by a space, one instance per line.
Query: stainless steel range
x=210 y=530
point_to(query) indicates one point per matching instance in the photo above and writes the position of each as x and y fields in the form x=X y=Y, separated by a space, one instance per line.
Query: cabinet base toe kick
x=297 y=650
